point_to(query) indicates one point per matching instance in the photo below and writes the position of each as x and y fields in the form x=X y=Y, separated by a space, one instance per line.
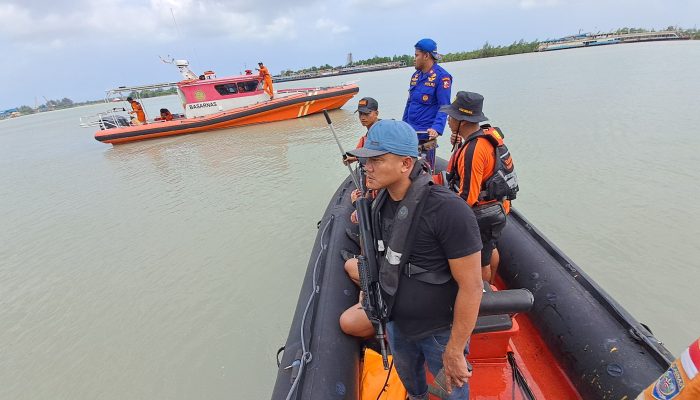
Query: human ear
x=406 y=164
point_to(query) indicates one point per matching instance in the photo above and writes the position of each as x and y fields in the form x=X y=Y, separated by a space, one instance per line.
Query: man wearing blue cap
x=429 y=89
x=428 y=252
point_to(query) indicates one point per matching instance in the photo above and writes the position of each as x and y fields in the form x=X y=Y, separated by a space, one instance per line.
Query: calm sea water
x=170 y=268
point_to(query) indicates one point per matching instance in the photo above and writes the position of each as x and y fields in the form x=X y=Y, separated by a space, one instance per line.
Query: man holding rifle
x=427 y=262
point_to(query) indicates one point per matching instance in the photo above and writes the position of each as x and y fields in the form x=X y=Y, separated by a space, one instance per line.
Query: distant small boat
x=216 y=103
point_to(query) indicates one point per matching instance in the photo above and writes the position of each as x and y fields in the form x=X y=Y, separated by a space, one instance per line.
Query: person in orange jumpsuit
x=267 y=80
x=137 y=109
x=165 y=115
x=472 y=170
x=681 y=381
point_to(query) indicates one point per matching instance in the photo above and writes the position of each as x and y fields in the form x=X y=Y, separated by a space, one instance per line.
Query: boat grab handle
x=506 y=302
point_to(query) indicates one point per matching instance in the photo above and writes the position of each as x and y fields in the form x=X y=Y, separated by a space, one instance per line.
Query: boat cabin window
x=226 y=89
x=247 y=86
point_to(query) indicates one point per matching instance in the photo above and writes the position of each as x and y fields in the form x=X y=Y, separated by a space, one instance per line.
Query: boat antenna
x=169 y=60
x=177 y=28
x=179 y=33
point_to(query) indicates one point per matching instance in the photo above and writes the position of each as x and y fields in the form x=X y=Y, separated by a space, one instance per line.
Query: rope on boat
x=519 y=379
x=386 y=382
x=306 y=355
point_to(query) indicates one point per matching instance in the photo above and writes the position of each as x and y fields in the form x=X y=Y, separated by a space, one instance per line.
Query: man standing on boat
x=267 y=80
x=481 y=172
x=429 y=253
x=137 y=109
x=430 y=88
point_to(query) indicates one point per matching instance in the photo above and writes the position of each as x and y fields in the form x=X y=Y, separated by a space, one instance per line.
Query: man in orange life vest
x=138 y=110
x=267 y=80
x=481 y=172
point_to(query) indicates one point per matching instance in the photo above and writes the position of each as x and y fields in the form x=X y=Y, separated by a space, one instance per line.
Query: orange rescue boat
x=216 y=103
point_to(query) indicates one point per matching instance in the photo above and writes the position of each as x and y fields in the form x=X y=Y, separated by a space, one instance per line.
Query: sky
x=77 y=49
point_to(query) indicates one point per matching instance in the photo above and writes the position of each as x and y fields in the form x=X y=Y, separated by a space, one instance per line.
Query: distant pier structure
x=599 y=39
x=349 y=59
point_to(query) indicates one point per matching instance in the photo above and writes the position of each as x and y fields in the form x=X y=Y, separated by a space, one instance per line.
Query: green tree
x=25 y=110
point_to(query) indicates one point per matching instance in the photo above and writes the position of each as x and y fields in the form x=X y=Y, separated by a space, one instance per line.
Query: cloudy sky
x=79 y=48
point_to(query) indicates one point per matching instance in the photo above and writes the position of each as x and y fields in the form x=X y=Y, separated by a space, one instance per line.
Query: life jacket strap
x=433 y=277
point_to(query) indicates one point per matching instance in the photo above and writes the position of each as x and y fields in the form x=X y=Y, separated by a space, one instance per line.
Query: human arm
x=472 y=164
x=404 y=118
x=466 y=271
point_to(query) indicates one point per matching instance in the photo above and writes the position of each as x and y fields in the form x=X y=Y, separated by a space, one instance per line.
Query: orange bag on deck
x=373 y=378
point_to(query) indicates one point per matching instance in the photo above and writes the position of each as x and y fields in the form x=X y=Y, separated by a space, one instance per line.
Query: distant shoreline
x=383 y=63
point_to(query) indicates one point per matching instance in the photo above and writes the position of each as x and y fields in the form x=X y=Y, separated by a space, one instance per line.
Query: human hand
x=353 y=217
x=349 y=160
x=355 y=194
x=454 y=138
x=432 y=133
x=456 y=371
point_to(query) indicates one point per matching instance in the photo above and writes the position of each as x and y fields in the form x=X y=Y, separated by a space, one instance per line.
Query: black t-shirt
x=447 y=230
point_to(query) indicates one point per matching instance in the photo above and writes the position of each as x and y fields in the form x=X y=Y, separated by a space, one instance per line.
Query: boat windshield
x=227 y=89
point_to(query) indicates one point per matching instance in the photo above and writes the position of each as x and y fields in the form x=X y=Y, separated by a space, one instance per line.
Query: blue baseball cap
x=429 y=46
x=389 y=136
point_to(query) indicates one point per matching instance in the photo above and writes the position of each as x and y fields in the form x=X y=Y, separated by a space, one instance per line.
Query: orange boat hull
x=284 y=108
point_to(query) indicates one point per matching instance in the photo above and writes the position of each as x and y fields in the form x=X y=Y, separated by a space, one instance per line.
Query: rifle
x=368 y=268
x=367 y=263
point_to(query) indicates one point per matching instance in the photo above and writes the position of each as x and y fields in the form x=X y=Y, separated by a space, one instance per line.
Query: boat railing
x=119 y=91
x=113 y=118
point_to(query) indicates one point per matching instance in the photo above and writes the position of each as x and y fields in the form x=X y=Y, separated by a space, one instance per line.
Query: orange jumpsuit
x=267 y=80
x=140 y=115
x=681 y=381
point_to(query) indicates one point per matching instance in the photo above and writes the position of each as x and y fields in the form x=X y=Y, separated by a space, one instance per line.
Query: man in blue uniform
x=430 y=89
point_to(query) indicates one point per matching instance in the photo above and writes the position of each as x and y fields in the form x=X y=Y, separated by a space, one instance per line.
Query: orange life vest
x=502 y=184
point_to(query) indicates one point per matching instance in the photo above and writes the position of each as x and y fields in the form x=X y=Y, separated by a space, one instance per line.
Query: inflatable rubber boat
x=575 y=342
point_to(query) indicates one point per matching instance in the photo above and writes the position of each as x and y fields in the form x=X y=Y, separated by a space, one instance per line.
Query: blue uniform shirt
x=426 y=93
